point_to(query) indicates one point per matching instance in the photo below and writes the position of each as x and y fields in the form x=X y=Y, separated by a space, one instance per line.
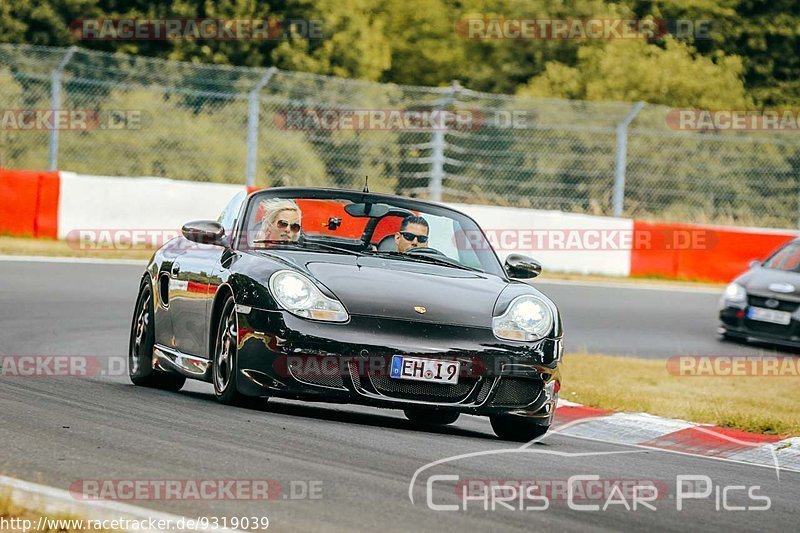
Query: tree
x=633 y=70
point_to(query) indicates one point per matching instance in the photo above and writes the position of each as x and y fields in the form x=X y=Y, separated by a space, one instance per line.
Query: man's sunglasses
x=407 y=235
x=283 y=224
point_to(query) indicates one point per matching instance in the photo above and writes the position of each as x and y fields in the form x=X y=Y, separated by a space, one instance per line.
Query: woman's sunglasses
x=407 y=235
x=283 y=224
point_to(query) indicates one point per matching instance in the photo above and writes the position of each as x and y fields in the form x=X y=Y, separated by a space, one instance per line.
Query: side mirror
x=204 y=232
x=755 y=263
x=522 y=267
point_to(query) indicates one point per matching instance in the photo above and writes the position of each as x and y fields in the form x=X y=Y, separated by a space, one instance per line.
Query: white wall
x=614 y=262
x=117 y=203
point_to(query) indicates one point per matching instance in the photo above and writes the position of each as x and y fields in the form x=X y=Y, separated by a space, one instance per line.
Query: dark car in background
x=763 y=304
x=331 y=311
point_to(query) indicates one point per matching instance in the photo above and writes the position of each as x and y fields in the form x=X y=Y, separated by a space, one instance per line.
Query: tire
x=140 y=347
x=225 y=361
x=431 y=417
x=516 y=429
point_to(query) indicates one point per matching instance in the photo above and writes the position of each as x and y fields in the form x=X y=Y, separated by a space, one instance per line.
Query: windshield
x=403 y=230
x=787 y=258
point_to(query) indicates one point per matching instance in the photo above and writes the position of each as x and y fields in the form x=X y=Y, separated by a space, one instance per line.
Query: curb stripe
x=722 y=442
x=678 y=436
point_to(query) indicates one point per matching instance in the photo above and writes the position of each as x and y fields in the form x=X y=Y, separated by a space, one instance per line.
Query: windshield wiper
x=306 y=244
x=434 y=259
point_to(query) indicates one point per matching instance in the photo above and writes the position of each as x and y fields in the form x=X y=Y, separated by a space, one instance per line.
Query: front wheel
x=225 y=365
x=516 y=429
x=140 y=350
x=429 y=416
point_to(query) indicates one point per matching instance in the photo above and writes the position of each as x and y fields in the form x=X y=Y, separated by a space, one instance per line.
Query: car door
x=191 y=291
x=190 y=297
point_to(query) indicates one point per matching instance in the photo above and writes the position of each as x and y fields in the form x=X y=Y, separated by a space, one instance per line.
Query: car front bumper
x=283 y=355
x=734 y=324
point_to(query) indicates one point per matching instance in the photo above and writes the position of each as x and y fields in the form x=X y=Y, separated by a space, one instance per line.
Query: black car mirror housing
x=519 y=266
x=204 y=232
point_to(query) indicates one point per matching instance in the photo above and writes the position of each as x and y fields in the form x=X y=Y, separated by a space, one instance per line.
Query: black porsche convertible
x=350 y=297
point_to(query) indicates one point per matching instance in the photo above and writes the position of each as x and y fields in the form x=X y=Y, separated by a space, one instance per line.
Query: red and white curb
x=56 y=503
x=678 y=436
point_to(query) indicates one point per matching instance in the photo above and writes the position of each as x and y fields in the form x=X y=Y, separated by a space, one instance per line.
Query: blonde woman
x=282 y=220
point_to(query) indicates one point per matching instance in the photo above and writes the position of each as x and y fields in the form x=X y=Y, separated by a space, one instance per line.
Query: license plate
x=419 y=369
x=769 y=315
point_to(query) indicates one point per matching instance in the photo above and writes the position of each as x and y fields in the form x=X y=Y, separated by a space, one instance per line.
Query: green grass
x=644 y=385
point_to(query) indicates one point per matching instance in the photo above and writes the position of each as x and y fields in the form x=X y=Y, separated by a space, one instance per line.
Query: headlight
x=735 y=293
x=527 y=318
x=298 y=295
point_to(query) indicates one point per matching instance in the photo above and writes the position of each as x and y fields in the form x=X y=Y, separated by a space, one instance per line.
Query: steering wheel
x=425 y=251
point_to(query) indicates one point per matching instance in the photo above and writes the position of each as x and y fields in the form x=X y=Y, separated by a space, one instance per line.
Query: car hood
x=764 y=282
x=400 y=289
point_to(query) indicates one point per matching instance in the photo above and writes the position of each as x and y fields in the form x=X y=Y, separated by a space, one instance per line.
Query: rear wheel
x=429 y=416
x=225 y=364
x=516 y=428
x=140 y=350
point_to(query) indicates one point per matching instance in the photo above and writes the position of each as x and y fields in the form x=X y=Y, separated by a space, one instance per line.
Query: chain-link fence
x=270 y=127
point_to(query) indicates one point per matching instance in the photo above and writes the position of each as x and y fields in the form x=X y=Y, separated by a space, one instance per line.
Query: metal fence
x=269 y=127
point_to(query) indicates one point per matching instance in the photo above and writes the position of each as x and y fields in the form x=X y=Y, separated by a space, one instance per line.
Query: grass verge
x=54 y=248
x=768 y=405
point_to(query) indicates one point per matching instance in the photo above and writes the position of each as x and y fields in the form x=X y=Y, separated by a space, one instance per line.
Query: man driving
x=413 y=234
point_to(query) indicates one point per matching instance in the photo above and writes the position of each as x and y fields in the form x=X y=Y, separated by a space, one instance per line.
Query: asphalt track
x=59 y=430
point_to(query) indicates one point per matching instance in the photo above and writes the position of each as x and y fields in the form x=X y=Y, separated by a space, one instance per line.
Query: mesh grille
x=485 y=388
x=314 y=378
x=516 y=391
x=354 y=374
x=421 y=390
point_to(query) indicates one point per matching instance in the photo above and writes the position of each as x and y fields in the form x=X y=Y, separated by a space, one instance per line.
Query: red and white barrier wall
x=60 y=204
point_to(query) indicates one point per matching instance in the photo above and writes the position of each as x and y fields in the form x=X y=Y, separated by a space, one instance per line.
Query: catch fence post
x=621 y=158
x=438 y=145
x=55 y=105
x=253 y=119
